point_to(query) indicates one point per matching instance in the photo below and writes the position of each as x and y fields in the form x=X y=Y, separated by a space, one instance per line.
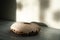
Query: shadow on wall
x=44 y=4
x=56 y=16
x=8 y=9
x=19 y=6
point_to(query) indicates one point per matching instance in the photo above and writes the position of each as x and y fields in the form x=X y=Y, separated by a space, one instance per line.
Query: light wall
x=29 y=12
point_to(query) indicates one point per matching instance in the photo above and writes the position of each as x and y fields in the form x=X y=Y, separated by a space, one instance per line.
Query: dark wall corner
x=8 y=9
